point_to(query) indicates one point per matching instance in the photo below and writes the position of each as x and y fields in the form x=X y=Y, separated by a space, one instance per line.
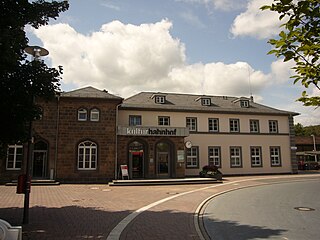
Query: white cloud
x=218 y=79
x=119 y=57
x=255 y=22
x=111 y=6
x=224 y=5
x=192 y=19
x=282 y=70
x=126 y=59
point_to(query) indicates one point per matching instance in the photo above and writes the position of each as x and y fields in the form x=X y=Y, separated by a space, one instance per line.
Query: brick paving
x=71 y=211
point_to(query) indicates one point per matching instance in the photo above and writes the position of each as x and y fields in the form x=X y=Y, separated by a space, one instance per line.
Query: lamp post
x=314 y=147
x=36 y=52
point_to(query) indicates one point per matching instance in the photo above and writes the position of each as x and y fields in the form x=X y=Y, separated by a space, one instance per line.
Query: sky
x=207 y=47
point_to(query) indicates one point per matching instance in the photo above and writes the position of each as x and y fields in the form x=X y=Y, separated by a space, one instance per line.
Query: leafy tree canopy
x=300 y=130
x=300 y=42
x=21 y=80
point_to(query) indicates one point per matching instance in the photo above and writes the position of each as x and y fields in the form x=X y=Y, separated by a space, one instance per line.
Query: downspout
x=116 y=150
x=57 y=136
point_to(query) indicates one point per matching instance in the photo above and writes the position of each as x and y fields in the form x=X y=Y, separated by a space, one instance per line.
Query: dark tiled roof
x=191 y=103
x=90 y=92
x=306 y=140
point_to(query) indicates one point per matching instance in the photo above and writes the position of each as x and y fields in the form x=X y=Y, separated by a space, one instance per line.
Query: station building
x=87 y=134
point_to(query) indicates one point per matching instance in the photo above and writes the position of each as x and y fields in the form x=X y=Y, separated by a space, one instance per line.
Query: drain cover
x=304 y=209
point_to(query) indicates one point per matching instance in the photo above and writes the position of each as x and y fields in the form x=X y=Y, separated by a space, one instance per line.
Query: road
x=286 y=210
x=98 y=211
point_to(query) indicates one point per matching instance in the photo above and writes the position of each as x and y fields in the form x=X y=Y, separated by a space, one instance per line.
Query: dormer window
x=244 y=103
x=206 y=101
x=160 y=99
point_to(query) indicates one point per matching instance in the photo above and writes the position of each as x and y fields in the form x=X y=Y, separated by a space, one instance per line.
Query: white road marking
x=116 y=232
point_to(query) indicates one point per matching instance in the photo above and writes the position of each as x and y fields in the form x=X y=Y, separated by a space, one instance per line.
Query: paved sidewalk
x=92 y=211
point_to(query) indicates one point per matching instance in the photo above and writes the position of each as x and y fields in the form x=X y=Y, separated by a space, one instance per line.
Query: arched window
x=82 y=114
x=94 y=115
x=87 y=155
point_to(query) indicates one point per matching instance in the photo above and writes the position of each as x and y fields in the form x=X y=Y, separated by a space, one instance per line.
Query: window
x=40 y=117
x=275 y=156
x=82 y=114
x=192 y=124
x=160 y=99
x=244 y=103
x=135 y=120
x=256 y=158
x=234 y=125
x=235 y=157
x=273 y=126
x=214 y=156
x=94 y=115
x=87 y=156
x=254 y=126
x=14 y=157
x=164 y=121
x=192 y=157
x=205 y=101
x=213 y=124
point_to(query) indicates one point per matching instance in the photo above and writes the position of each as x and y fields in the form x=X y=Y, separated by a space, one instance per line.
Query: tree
x=300 y=42
x=300 y=130
x=23 y=80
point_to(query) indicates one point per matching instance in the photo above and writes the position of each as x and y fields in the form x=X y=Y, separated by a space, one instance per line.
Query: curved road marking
x=116 y=232
x=198 y=215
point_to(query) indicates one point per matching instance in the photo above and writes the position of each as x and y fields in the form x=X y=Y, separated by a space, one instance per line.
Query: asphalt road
x=289 y=210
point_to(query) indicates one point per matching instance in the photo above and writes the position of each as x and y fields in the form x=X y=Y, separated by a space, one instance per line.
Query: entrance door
x=163 y=164
x=136 y=160
x=137 y=164
x=163 y=160
x=39 y=164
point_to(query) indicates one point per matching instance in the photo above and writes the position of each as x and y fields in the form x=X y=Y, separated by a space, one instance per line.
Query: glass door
x=163 y=164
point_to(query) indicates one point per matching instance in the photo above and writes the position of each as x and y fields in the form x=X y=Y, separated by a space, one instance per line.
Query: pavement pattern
x=98 y=211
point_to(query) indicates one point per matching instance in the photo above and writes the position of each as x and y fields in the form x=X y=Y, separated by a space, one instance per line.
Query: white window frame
x=254 y=126
x=256 y=156
x=135 y=120
x=160 y=99
x=206 y=101
x=191 y=123
x=234 y=125
x=214 y=156
x=273 y=126
x=192 y=157
x=275 y=156
x=94 y=115
x=235 y=157
x=87 y=155
x=164 y=121
x=213 y=124
x=82 y=114
x=244 y=103
x=15 y=156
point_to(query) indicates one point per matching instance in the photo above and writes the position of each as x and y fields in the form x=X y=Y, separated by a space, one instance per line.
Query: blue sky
x=213 y=47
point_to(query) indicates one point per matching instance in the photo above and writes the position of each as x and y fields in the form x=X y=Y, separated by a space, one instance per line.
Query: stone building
x=74 y=141
x=87 y=134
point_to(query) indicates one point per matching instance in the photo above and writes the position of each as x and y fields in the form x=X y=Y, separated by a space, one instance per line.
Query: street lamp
x=314 y=147
x=36 y=52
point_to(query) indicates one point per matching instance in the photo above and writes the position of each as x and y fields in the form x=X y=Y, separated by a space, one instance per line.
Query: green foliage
x=300 y=130
x=21 y=80
x=300 y=42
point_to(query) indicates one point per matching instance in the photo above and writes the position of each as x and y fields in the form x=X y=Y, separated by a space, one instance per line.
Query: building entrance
x=163 y=160
x=39 y=163
x=136 y=160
